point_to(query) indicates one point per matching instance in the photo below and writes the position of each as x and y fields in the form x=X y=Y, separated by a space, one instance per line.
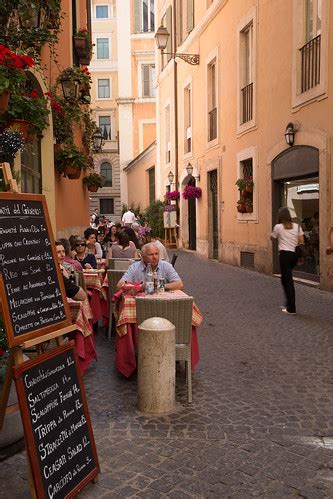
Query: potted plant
x=191 y=192
x=70 y=161
x=12 y=76
x=29 y=108
x=241 y=184
x=241 y=208
x=83 y=45
x=11 y=141
x=249 y=184
x=249 y=206
x=93 y=181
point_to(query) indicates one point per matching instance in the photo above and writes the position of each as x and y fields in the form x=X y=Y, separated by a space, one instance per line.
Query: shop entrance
x=295 y=175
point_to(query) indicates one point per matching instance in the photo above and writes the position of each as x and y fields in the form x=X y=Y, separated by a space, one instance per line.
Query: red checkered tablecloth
x=81 y=315
x=125 y=312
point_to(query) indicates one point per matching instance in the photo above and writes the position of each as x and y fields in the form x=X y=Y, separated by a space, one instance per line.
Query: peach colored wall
x=273 y=75
x=149 y=134
x=137 y=175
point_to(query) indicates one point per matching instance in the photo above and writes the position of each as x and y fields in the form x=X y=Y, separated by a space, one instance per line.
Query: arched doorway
x=295 y=184
x=192 y=219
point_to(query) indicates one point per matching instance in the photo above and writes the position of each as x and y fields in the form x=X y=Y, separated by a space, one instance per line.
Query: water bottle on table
x=149 y=284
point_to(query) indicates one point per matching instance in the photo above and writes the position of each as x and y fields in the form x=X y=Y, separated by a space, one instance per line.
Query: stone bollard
x=156 y=366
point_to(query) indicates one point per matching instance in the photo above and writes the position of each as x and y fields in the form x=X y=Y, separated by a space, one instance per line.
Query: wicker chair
x=113 y=277
x=121 y=263
x=178 y=312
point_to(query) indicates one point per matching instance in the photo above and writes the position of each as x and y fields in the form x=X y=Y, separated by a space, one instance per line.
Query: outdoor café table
x=83 y=337
x=127 y=330
x=93 y=281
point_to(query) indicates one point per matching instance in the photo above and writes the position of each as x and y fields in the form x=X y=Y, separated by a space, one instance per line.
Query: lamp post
x=161 y=38
x=171 y=178
x=70 y=87
x=189 y=169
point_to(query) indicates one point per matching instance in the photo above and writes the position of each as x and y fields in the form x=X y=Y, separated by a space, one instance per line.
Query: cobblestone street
x=261 y=421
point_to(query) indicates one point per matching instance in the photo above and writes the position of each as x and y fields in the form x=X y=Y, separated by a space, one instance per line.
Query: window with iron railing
x=247 y=103
x=310 y=57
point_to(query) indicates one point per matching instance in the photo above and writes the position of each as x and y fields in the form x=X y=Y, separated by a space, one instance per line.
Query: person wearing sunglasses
x=72 y=290
x=87 y=260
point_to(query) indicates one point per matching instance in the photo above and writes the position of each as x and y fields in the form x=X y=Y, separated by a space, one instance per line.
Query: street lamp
x=289 y=134
x=97 y=140
x=171 y=177
x=162 y=36
x=70 y=87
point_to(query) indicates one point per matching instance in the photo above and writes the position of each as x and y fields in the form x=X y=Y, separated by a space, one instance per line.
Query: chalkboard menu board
x=56 y=422
x=32 y=291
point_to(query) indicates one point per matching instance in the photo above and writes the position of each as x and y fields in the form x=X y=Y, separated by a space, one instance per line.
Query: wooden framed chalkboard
x=32 y=291
x=59 y=437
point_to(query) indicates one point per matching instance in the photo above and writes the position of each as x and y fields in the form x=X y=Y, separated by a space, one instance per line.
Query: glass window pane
x=106 y=171
x=101 y=12
x=102 y=48
x=106 y=206
x=103 y=88
x=105 y=125
x=145 y=15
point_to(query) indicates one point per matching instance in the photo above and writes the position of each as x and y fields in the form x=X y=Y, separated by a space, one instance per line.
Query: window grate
x=247 y=259
x=247 y=168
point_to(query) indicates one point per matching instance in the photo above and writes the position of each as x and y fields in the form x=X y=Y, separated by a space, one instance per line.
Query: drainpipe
x=175 y=84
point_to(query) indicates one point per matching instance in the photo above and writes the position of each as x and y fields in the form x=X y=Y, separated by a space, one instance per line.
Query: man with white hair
x=137 y=271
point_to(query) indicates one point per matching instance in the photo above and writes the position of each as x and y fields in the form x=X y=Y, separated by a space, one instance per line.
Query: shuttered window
x=190 y=15
x=148 y=78
x=144 y=16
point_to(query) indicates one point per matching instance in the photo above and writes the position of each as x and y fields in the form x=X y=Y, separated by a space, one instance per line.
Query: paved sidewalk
x=261 y=422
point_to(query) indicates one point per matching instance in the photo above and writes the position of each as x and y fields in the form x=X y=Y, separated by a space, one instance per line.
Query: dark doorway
x=213 y=216
x=192 y=220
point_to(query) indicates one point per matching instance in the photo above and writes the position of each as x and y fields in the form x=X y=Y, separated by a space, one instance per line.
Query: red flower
x=49 y=94
x=56 y=107
x=34 y=94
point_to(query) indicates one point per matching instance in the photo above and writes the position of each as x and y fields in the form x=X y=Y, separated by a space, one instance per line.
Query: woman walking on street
x=289 y=235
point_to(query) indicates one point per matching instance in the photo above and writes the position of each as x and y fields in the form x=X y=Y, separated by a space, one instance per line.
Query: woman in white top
x=289 y=235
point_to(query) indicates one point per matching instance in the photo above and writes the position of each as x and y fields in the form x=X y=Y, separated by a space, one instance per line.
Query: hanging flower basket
x=92 y=188
x=4 y=99
x=71 y=172
x=191 y=192
x=172 y=196
x=11 y=141
x=22 y=125
x=93 y=181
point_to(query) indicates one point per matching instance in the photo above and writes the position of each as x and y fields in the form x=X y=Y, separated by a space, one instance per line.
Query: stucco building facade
x=264 y=69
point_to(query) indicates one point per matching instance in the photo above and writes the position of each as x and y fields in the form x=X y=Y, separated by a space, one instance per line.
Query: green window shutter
x=190 y=15
x=145 y=81
x=169 y=28
x=137 y=7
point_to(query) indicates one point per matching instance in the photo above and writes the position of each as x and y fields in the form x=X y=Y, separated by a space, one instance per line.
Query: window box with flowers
x=83 y=45
x=93 y=181
x=191 y=192
x=70 y=161
x=245 y=203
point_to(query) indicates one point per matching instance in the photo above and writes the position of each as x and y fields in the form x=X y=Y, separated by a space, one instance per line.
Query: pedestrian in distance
x=128 y=218
x=289 y=235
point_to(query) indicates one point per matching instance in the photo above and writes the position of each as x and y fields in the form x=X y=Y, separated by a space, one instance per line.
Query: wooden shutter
x=137 y=8
x=190 y=15
x=145 y=81
x=169 y=28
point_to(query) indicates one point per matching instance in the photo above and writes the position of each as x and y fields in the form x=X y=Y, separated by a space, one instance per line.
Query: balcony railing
x=310 y=54
x=247 y=103
x=213 y=124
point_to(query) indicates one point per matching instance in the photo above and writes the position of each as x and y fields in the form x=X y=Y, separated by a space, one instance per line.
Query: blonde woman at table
x=87 y=260
x=123 y=248
x=72 y=290
x=137 y=271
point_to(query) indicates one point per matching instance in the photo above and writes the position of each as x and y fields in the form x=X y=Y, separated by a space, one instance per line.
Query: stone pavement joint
x=261 y=422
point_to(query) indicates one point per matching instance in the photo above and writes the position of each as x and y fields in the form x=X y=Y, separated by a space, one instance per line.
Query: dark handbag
x=300 y=253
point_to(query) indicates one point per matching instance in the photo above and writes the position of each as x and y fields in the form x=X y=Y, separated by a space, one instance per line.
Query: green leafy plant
x=241 y=184
x=30 y=107
x=94 y=179
x=72 y=156
x=153 y=216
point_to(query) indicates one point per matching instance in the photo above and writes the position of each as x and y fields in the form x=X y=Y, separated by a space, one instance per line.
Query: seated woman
x=68 y=260
x=123 y=248
x=72 y=290
x=132 y=236
x=87 y=260
x=93 y=246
